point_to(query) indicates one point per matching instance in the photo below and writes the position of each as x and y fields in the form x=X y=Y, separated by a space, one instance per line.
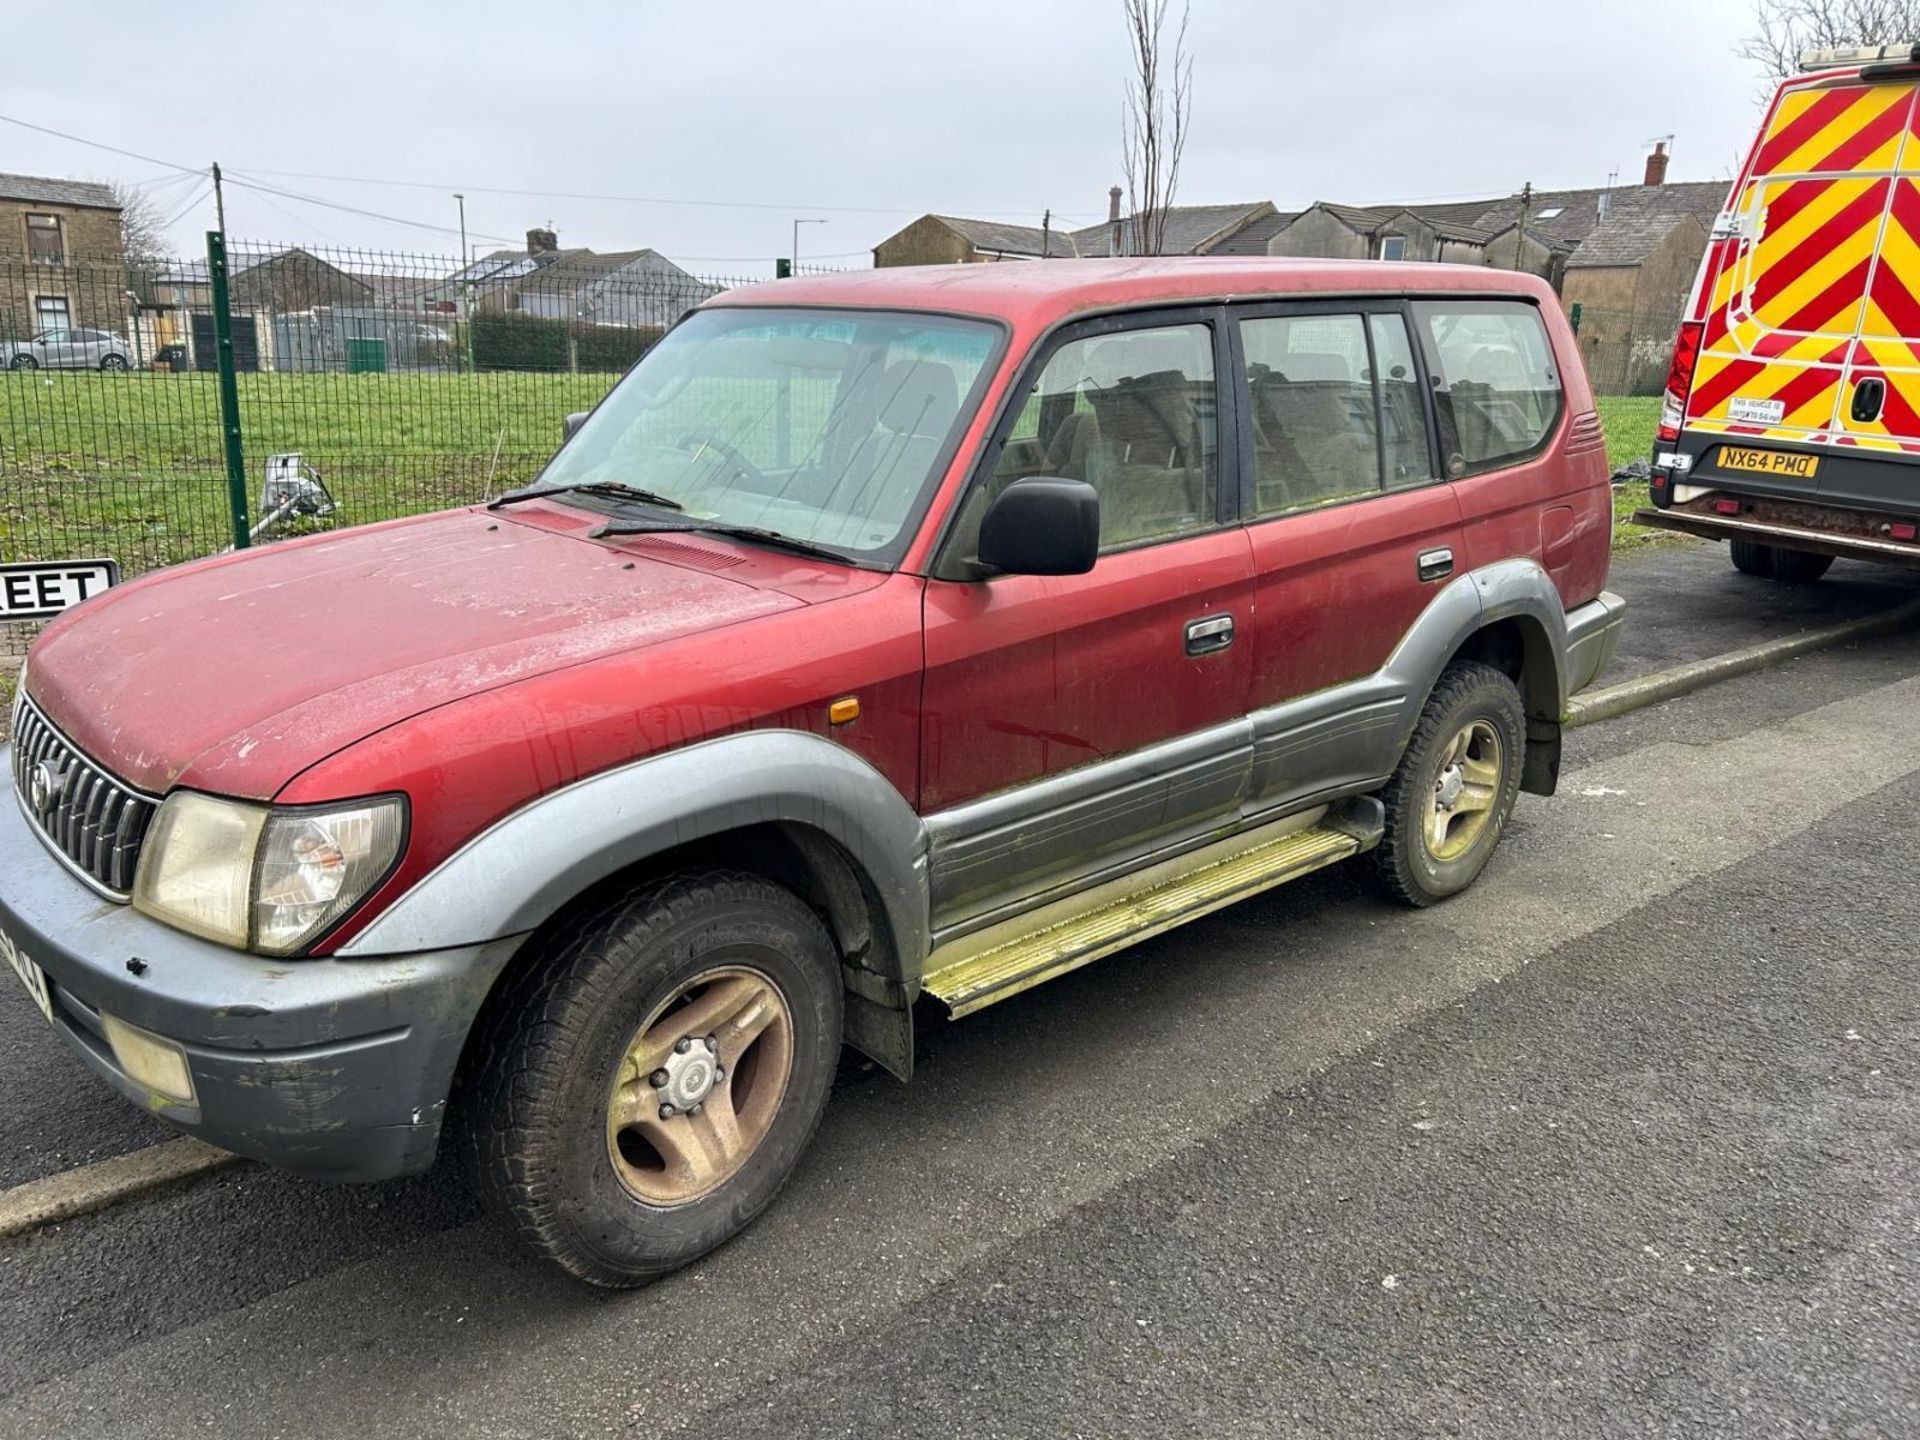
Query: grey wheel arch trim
x=517 y=874
x=1518 y=590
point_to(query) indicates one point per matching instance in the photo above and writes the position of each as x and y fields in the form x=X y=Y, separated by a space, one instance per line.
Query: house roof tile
x=45 y=190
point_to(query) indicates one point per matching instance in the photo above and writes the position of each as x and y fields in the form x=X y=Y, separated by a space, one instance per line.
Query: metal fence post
x=229 y=390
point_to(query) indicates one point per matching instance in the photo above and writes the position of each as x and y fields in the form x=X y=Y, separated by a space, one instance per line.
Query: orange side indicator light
x=843 y=711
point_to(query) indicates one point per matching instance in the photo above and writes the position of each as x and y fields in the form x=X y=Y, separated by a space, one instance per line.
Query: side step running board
x=974 y=971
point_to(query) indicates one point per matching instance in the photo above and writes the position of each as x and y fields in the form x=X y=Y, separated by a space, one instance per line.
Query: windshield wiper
x=753 y=534
x=618 y=488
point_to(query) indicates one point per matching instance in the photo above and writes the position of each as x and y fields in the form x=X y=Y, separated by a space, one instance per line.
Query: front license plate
x=31 y=975
x=1768 y=462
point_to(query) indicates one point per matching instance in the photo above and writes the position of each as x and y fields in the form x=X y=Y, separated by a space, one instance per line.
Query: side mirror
x=573 y=423
x=1042 y=526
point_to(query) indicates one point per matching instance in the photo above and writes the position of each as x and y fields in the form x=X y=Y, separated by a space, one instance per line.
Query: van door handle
x=1209 y=636
x=1435 y=564
x=1869 y=397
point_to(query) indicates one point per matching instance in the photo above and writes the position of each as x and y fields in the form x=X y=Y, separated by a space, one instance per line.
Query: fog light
x=159 y=1065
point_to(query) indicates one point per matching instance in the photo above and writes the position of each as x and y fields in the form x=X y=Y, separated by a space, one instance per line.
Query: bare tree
x=1789 y=27
x=1153 y=128
x=142 y=234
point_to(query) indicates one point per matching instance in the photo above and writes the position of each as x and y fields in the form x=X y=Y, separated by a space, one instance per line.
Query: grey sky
x=994 y=108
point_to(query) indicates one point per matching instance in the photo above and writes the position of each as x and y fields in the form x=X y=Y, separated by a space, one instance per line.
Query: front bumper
x=338 y=1069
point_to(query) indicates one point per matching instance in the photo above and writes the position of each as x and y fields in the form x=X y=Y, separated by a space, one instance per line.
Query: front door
x=1352 y=533
x=1075 y=723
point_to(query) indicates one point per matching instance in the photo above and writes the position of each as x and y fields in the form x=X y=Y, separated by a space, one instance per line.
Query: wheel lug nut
x=667 y=1112
x=682 y=1045
x=693 y=1109
x=713 y=1042
x=719 y=1072
x=658 y=1079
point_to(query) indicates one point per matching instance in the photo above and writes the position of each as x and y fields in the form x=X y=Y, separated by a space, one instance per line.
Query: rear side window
x=1494 y=378
x=1315 y=425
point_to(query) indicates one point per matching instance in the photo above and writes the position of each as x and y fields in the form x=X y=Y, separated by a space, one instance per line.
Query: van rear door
x=1787 y=311
x=1880 y=398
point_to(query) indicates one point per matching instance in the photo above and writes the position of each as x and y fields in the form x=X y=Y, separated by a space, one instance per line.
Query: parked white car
x=67 y=350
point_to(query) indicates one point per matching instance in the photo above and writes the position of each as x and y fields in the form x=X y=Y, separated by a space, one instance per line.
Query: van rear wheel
x=1799 y=567
x=1752 y=558
x=646 y=1086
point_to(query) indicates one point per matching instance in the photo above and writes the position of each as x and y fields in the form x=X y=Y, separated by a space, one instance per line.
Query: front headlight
x=263 y=879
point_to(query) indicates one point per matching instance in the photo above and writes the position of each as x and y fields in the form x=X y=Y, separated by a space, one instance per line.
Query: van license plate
x=1768 y=462
x=31 y=975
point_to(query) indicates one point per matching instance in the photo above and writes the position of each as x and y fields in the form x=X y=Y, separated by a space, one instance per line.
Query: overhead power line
x=781 y=205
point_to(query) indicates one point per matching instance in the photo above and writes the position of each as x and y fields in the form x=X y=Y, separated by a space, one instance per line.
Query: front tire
x=1752 y=558
x=643 y=1090
x=113 y=362
x=1449 y=800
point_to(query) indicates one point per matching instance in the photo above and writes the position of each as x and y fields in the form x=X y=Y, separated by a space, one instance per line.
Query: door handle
x=1869 y=397
x=1435 y=564
x=1209 y=636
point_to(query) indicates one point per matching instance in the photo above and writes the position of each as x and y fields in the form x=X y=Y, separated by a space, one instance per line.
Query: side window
x=1393 y=247
x=1403 y=433
x=1497 y=386
x=1135 y=415
x=1309 y=386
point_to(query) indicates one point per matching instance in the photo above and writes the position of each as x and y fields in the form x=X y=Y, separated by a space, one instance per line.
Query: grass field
x=130 y=465
x=1629 y=423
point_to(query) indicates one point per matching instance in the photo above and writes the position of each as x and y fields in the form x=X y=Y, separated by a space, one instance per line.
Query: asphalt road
x=1620 y=1143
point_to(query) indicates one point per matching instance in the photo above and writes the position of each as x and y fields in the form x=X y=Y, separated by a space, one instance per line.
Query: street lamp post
x=466 y=281
x=796 y=240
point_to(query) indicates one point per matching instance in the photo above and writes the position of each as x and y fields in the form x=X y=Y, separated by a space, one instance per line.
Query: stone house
x=62 y=257
x=955 y=240
x=616 y=287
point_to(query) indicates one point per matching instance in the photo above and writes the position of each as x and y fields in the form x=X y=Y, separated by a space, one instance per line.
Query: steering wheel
x=696 y=440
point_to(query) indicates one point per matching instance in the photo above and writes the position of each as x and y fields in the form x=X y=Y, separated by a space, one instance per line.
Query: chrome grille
x=84 y=815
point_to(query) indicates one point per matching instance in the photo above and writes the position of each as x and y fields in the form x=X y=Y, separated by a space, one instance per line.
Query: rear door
x=1352 y=527
x=1780 y=341
x=1880 y=395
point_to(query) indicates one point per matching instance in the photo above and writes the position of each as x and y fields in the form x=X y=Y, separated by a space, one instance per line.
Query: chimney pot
x=1657 y=164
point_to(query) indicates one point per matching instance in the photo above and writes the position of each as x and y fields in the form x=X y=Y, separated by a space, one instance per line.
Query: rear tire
x=1449 y=800
x=23 y=362
x=1752 y=558
x=1799 y=567
x=561 y=1130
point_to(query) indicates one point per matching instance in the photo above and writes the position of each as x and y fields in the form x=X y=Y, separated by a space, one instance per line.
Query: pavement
x=1618 y=1143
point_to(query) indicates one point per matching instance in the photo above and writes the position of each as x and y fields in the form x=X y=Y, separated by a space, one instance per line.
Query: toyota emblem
x=44 y=783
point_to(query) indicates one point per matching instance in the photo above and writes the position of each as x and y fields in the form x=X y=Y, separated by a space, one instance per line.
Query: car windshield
x=823 y=425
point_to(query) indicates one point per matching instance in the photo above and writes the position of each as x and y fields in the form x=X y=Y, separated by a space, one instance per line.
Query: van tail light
x=1686 y=354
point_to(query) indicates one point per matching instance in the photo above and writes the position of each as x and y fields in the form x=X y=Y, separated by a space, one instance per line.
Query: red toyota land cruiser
x=910 y=632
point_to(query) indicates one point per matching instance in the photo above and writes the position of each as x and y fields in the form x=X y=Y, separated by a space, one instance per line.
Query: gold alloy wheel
x=699 y=1085
x=1465 y=787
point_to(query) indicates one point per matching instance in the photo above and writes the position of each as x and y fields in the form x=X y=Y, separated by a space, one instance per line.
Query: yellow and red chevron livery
x=1791 y=421
x=1809 y=291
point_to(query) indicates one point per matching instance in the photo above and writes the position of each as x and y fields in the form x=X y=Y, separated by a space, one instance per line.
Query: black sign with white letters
x=42 y=590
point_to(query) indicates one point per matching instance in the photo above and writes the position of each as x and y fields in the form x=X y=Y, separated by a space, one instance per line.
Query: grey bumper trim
x=1593 y=635
x=337 y=1069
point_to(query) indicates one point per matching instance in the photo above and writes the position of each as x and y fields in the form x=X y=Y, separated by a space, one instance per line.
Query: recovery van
x=1790 y=426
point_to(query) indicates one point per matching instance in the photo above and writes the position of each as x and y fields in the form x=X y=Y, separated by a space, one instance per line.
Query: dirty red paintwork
x=476 y=660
